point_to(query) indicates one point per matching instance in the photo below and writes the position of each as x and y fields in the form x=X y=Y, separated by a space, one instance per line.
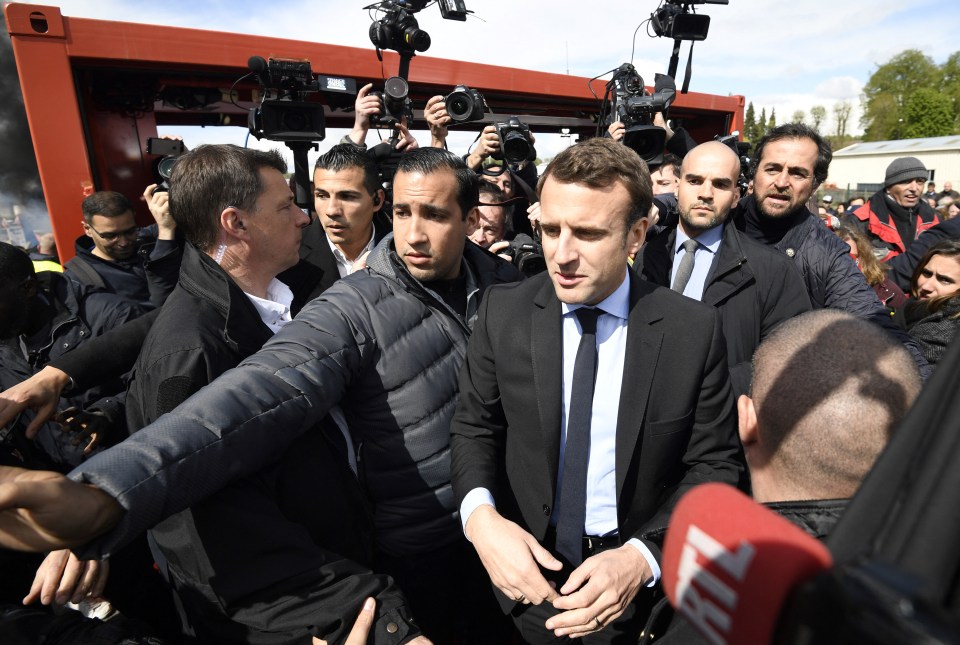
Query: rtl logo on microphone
x=707 y=583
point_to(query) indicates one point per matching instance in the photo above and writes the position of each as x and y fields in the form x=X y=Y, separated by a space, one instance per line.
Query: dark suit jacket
x=754 y=287
x=676 y=426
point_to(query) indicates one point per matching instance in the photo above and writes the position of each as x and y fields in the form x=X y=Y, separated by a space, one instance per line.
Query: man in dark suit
x=754 y=287
x=573 y=542
x=348 y=200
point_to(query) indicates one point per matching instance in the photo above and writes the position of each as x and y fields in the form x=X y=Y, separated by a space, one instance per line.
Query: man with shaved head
x=754 y=287
x=828 y=389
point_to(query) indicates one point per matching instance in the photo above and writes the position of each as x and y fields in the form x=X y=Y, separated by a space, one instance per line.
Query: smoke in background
x=20 y=191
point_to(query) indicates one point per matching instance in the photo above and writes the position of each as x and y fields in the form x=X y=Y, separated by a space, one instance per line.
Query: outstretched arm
x=42 y=511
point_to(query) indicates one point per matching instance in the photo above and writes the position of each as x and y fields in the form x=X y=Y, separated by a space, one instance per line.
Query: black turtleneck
x=768 y=230
x=453 y=292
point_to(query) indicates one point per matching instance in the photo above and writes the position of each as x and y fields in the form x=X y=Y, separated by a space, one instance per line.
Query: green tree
x=927 y=113
x=950 y=86
x=773 y=119
x=799 y=116
x=762 y=123
x=818 y=114
x=749 y=123
x=886 y=93
x=841 y=114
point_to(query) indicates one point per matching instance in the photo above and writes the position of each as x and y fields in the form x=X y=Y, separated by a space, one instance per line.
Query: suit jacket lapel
x=642 y=353
x=546 y=332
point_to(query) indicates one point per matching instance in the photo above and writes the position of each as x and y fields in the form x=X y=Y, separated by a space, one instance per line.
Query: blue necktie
x=573 y=491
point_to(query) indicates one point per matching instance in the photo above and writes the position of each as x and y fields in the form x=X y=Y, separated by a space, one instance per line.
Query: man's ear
x=637 y=234
x=747 y=420
x=378 y=198
x=473 y=220
x=231 y=222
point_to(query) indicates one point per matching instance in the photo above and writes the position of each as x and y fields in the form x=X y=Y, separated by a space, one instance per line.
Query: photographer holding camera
x=516 y=167
x=367 y=107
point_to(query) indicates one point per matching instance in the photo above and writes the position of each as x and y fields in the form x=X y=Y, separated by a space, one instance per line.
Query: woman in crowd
x=933 y=316
x=949 y=211
x=873 y=270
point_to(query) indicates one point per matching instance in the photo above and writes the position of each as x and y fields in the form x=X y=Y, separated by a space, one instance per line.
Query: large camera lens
x=395 y=91
x=516 y=147
x=416 y=38
x=459 y=106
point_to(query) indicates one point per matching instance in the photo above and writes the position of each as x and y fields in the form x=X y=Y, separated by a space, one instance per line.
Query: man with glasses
x=140 y=265
x=896 y=215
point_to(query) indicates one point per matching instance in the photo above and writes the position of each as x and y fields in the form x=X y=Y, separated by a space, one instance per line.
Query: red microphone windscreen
x=729 y=564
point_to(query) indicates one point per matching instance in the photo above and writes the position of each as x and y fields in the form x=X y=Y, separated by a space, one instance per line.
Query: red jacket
x=883 y=232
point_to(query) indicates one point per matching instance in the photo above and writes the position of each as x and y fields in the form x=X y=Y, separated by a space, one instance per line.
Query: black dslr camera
x=398 y=29
x=526 y=254
x=464 y=104
x=635 y=108
x=515 y=144
x=394 y=103
x=167 y=150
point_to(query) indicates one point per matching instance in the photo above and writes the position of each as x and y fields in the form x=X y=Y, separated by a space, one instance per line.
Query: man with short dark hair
x=896 y=215
x=590 y=401
x=666 y=176
x=115 y=254
x=492 y=226
x=347 y=198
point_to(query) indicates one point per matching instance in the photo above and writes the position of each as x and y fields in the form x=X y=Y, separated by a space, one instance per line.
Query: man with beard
x=140 y=265
x=896 y=215
x=791 y=161
x=755 y=288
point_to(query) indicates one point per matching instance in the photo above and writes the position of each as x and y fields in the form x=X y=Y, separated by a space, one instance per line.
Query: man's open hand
x=511 y=556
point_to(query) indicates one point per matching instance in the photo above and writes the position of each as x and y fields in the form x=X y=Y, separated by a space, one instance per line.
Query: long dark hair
x=948 y=248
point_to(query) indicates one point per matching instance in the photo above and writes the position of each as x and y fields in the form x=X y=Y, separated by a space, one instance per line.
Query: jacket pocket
x=670 y=426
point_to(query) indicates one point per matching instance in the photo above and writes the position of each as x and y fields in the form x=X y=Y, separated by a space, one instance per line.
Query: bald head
x=708 y=187
x=828 y=388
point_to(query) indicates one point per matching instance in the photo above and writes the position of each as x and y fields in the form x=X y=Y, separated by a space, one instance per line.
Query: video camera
x=285 y=114
x=397 y=29
x=635 y=108
x=464 y=104
x=515 y=143
x=674 y=20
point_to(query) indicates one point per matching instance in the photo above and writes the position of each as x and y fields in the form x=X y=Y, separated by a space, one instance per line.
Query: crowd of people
x=361 y=422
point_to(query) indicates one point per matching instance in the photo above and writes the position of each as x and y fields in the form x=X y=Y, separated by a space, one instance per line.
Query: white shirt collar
x=274 y=311
x=616 y=304
x=710 y=239
x=344 y=264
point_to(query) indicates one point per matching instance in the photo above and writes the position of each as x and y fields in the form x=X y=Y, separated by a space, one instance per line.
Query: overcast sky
x=782 y=55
